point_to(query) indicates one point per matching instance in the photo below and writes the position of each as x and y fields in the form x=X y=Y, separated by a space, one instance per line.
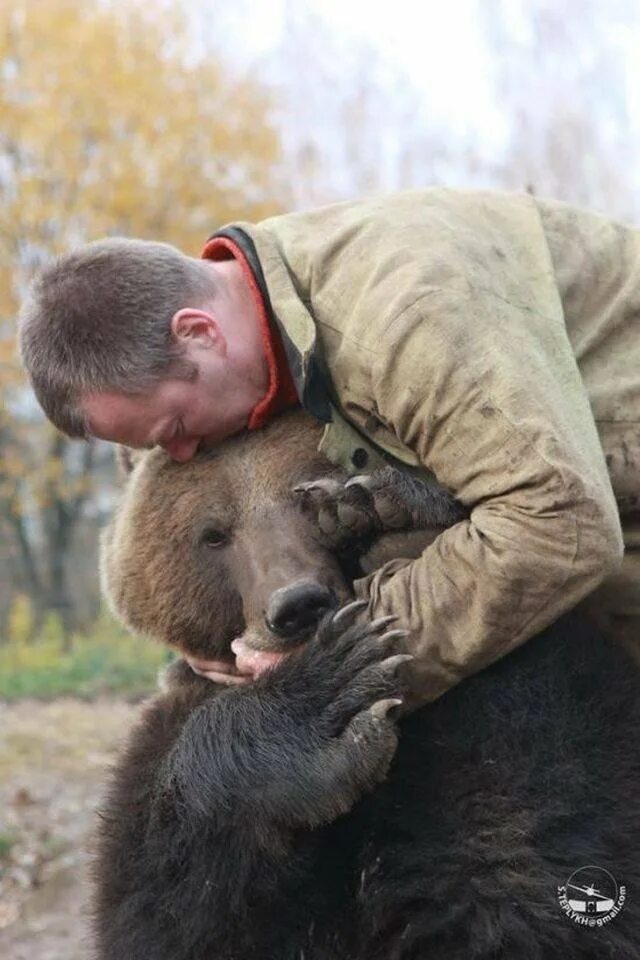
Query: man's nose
x=182 y=449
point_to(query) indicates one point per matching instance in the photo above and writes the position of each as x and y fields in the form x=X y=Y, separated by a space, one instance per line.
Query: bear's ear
x=126 y=458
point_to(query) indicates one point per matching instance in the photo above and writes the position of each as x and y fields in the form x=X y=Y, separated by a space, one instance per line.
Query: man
x=487 y=338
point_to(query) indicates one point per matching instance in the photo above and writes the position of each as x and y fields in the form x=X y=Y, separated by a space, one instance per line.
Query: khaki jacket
x=491 y=340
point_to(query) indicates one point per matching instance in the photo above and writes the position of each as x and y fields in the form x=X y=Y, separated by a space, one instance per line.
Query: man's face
x=224 y=349
x=177 y=414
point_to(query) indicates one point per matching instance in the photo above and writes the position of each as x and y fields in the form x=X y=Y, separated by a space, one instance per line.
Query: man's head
x=132 y=341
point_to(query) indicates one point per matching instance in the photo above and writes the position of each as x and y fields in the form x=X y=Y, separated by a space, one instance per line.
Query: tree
x=563 y=70
x=109 y=124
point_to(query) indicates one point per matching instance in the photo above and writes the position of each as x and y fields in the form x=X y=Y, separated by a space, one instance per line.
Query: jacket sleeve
x=481 y=382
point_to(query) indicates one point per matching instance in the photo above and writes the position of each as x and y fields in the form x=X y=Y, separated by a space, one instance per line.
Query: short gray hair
x=98 y=319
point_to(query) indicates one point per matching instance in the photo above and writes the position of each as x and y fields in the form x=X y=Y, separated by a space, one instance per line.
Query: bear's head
x=200 y=553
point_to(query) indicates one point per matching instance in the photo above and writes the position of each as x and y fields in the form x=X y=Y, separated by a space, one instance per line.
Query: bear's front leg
x=385 y=501
x=299 y=746
x=207 y=840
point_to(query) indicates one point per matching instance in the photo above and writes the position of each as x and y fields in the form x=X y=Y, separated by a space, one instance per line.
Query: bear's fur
x=274 y=821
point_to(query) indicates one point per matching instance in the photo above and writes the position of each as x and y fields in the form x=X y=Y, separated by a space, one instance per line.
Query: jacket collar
x=292 y=319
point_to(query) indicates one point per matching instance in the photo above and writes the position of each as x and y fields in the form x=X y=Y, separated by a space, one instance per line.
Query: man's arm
x=487 y=392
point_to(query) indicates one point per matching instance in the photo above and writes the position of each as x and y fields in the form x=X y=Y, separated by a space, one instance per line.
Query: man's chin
x=246 y=665
x=254 y=663
x=218 y=671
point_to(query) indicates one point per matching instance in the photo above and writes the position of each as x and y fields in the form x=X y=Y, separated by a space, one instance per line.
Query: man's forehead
x=121 y=418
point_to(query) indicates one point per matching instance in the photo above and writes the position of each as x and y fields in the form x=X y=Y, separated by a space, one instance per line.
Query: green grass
x=7 y=841
x=107 y=661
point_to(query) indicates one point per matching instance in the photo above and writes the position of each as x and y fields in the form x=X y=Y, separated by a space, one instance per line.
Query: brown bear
x=298 y=815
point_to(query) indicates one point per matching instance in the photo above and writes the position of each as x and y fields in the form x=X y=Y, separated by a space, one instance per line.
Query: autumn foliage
x=110 y=123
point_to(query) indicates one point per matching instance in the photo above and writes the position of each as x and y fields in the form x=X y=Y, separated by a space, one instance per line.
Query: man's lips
x=219 y=671
x=255 y=662
x=248 y=664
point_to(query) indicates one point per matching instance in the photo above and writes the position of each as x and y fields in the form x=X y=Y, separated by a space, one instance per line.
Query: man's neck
x=257 y=342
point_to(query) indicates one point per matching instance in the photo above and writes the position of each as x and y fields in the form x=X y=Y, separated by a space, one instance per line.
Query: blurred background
x=165 y=119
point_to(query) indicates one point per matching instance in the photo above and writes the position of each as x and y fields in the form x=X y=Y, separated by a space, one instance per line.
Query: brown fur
x=249 y=823
x=207 y=595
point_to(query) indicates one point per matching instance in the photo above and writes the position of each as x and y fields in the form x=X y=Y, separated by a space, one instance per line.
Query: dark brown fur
x=251 y=823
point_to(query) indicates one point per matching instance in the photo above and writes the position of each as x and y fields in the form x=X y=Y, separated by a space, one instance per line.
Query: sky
x=540 y=88
x=437 y=45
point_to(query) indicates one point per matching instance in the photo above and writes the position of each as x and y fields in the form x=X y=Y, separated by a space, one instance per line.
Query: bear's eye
x=214 y=538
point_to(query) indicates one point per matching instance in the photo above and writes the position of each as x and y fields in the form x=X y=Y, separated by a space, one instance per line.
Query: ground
x=53 y=759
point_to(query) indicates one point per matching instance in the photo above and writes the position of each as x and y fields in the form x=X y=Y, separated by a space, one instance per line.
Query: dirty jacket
x=490 y=341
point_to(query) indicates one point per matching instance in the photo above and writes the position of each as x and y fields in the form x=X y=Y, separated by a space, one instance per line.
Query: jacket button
x=359 y=458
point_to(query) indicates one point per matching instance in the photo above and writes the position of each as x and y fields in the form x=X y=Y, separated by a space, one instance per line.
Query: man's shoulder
x=392 y=204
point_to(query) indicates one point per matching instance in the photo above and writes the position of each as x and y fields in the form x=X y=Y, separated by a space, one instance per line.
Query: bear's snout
x=294 y=610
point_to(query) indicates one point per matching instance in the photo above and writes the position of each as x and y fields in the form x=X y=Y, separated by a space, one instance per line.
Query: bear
x=310 y=814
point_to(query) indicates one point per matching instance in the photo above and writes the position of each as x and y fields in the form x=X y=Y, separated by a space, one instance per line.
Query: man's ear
x=191 y=324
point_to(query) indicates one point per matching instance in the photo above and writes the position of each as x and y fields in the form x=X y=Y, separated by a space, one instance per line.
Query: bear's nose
x=293 y=610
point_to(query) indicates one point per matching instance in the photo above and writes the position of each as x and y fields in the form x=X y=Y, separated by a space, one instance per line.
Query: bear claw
x=348 y=611
x=394 y=635
x=381 y=708
x=377 y=625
